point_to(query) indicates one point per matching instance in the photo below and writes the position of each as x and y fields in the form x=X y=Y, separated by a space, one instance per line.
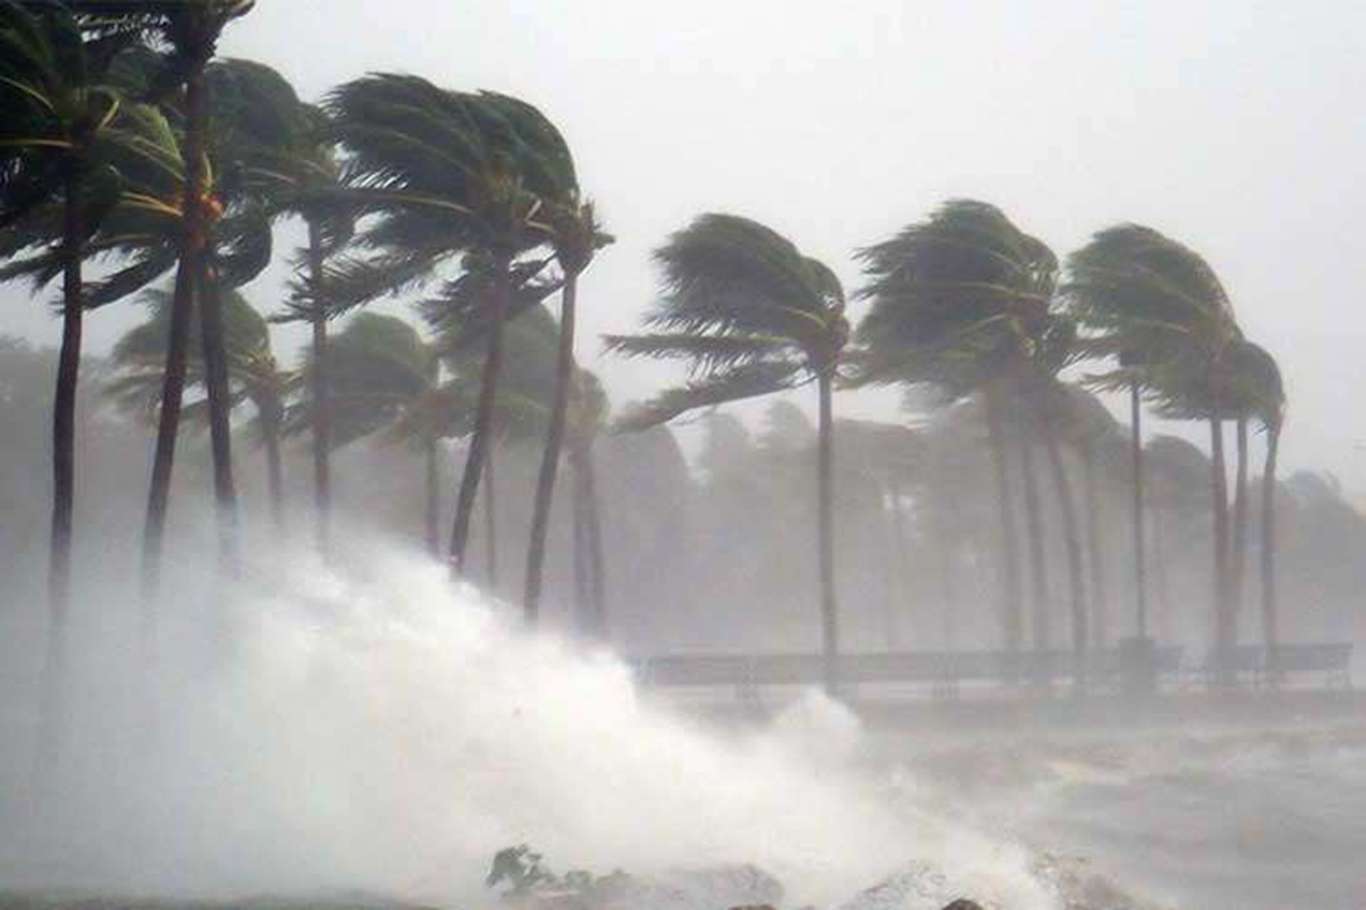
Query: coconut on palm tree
x=750 y=315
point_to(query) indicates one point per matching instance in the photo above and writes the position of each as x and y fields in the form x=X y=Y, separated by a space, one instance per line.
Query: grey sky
x=1232 y=126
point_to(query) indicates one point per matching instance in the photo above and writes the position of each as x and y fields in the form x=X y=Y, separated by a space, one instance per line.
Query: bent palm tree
x=55 y=113
x=442 y=173
x=750 y=315
x=577 y=235
x=957 y=303
x=1159 y=304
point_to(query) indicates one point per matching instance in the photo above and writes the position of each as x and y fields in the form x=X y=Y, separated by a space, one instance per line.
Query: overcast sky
x=1235 y=127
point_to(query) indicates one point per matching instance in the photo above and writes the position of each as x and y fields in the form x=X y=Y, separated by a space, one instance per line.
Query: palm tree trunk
x=491 y=523
x=826 y=537
x=63 y=474
x=1163 y=619
x=550 y=460
x=433 y=515
x=583 y=610
x=1140 y=560
x=1219 y=508
x=1009 y=552
x=1238 y=562
x=1270 y=634
x=896 y=571
x=597 y=587
x=1071 y=532
x=1038 y=561
x=322 y=403
x=275 y=475
x=220 y=427
x=948 y=578
x=483 y=423
x=173 y=376
x=1100 y=620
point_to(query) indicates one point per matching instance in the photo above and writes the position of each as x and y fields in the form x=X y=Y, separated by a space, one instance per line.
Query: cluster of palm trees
x=129 y=151
x=967 y=305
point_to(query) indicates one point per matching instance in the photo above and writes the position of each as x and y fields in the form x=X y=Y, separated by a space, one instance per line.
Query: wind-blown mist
x=371 y=729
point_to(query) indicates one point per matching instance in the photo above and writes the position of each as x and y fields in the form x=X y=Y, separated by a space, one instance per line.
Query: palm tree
x=1053 y=350
x=383 y=378
x=254 y=375
x=1096 y=436
x=441 y=173
x=958 y=301
x=750 y=315
x=1260 y=393
x=189 y=29
x=293 y=163
x=1158 y=302
x=577 y=235
x=57 y=110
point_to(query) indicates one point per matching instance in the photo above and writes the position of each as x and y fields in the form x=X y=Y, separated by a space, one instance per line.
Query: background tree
x=255 y=377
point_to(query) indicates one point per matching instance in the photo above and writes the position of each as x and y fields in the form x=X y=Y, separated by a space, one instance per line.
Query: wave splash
x=371 y=729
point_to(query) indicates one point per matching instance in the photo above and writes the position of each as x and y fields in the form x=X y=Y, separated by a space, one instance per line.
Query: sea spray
x=371 y=728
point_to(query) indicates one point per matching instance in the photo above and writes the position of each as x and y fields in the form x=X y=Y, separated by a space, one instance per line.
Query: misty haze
x=738 y=456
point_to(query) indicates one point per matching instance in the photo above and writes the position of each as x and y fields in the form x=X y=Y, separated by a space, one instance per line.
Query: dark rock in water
x=714 y=888
x=961 y=904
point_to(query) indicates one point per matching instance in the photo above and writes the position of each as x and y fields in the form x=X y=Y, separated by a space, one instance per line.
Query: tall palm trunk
x=826 y=536
x=1140 y=560
x=1219 y=508
x=597 y=579
x=554 y=441
x=173 y=376
x=896 y=570
x=491 y=522
x=322 y=402
x=1238 y=560
x=1038 y=560
x=1270 y=633
x=1100 y=619
x=583 y=608
x=483 y=422
x=220 y=427
x=1162 y=620
x=63 y=473
x=433 y=497
x=948 y=578
x=1071 y=532
x=1009 y=547
x=275 y=474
